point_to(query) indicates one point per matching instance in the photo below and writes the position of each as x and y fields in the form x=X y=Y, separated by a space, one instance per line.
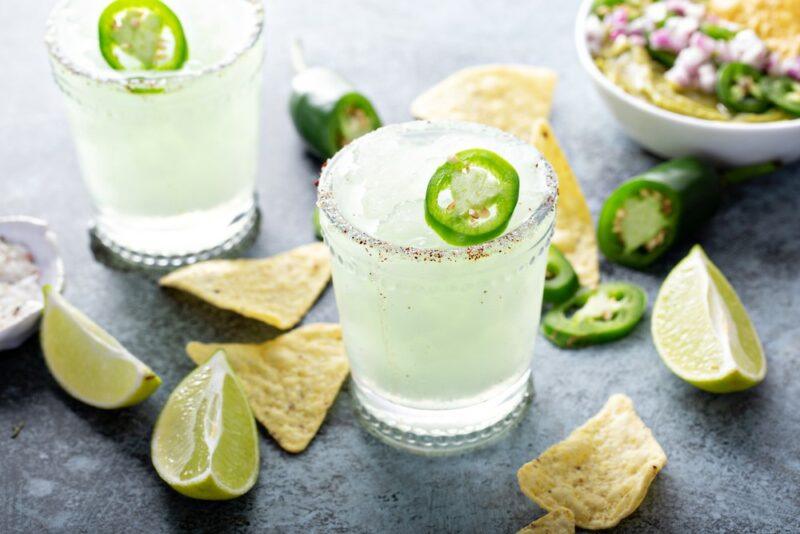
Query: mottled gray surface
x=734 y=461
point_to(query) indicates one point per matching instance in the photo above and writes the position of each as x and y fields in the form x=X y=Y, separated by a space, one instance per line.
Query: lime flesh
x=702 y=331
x=87 y=362
x=205 y=443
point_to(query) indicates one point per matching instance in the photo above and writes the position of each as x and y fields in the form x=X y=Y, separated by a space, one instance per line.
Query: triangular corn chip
x=290 y=381
x=278 y=290
x=601 y=472
x=508 y=97
x=574 y=232
x=559 y=521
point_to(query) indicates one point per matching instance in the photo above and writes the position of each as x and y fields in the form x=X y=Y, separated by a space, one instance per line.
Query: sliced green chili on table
x=641 y=219
x=471 y=197
x=560 y=281
x=141 y=35
x=594 y=316
x=326 y=110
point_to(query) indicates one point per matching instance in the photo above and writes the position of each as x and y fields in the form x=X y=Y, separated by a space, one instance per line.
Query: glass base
x=235 y=234
x=437 y=432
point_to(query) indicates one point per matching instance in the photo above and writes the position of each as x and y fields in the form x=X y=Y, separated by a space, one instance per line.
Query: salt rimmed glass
x=440 y=340
x=169 y=158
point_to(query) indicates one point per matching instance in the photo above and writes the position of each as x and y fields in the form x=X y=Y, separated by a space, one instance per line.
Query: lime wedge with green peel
x=87 y=362
x=205 y=443
x=141 y=35
x=702 y=331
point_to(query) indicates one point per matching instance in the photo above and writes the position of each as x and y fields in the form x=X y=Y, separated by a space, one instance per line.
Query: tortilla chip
x=278 y=290
x=601 y=471
x=290 y=381
x=777 y=22
x=559 y=521
x=574 y=233
x=508 y=97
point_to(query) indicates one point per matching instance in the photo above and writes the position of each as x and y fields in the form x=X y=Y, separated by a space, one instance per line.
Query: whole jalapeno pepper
x=738 y=88
x=327 y=111
x=641 y=219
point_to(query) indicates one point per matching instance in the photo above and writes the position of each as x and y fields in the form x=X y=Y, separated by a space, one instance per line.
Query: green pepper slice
x=560 y=281
x=717 y=32
x=784 y=92
x=471 y=197
x=141 y=35
x=665 y=57
x=739 y=90
x=641 y=219
x=328 y=112
x=593 y=316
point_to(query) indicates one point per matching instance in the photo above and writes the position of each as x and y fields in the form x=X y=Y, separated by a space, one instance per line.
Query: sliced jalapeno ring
x=593 y=316
x=471 y=197
x=560 y=281
x=739 y=89
x=141 y=35
x=784 y=92
x=717 y=32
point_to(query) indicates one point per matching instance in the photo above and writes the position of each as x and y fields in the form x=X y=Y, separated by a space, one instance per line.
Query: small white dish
x=671 y=135
x=36 y=236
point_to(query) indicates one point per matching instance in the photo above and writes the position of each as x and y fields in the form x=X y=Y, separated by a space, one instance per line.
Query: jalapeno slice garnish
x=784 y=92
x=594 y=316
x=641 y=219
x=141 y=35
x=739 y=89
x=560 y=281
x=471 y=197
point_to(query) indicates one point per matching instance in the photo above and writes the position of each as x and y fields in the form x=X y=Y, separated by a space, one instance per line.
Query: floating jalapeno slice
x=141 y=35
x=593 y=316
x=739 y=89
x=471 y=197
x=315 y=223
x=560 y=281
x=784 y=92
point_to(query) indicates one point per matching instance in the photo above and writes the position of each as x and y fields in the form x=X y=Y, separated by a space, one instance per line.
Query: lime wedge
x=87 y=362
x=702 y=331
x=205 y=443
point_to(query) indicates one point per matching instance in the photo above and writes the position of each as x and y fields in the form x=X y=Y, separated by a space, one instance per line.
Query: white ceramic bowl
x=670 y=135
x=41 y=241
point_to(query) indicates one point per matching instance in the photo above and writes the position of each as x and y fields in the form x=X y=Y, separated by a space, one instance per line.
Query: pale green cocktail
x=168 y=156
x=439 y=337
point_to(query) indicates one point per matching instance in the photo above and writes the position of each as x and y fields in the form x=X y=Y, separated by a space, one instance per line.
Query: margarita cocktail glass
x=439 y=338
x=168 y=157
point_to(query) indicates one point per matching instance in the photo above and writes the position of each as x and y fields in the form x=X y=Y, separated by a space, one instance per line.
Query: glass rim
x=326 y=202
x=145 y=78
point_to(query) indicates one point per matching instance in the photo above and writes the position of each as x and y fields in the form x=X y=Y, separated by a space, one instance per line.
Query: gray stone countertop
x=734 y=460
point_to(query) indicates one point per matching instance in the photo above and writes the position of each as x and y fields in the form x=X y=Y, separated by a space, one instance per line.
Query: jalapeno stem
x=739 y=175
